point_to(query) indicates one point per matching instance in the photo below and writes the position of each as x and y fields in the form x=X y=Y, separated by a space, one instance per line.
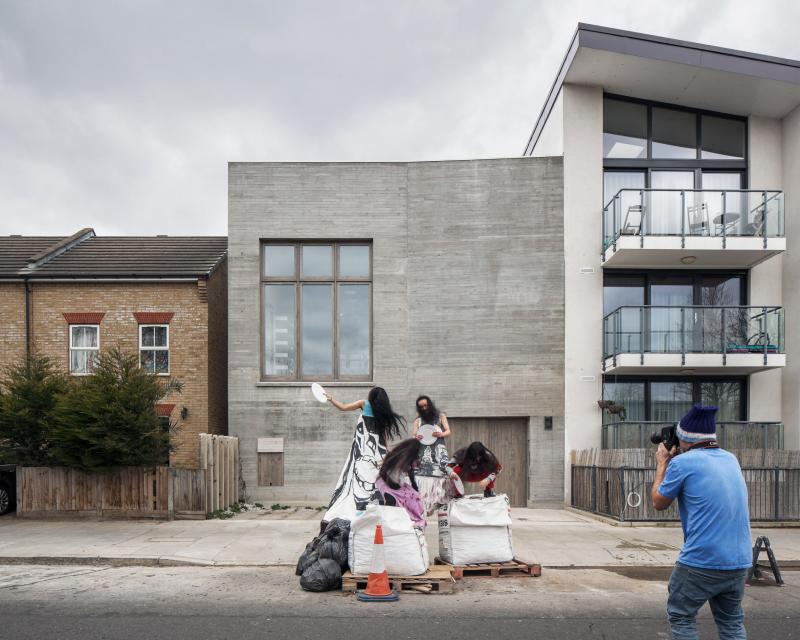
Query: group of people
x=417 y=473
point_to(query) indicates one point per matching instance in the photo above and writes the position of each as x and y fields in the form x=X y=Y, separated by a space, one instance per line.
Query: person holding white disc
x=431 y=428
x=377 y=424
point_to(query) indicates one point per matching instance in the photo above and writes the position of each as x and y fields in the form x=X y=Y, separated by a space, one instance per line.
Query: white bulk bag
x=475 y=530
x=404 y=546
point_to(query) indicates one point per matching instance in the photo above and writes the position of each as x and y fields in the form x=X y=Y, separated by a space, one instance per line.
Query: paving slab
x=550 y=537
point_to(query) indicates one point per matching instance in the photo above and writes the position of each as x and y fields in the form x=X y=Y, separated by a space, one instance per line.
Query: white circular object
x=634 y=500
x=319 y=392
x=426 y=431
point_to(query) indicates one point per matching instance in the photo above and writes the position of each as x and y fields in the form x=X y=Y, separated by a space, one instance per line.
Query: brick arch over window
x=84 y=317
x=153 y=317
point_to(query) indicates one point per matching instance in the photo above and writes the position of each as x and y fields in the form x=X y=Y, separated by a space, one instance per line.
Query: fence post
x=623 y=497
x=777 y=494
x=593 y=471
x=171 y=493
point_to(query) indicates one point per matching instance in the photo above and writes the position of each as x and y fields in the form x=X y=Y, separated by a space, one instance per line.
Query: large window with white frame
x=84 y=345
x=154 y=348
x=316 y=311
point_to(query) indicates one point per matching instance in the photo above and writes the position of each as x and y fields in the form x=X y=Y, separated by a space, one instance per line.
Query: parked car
x=8 y=488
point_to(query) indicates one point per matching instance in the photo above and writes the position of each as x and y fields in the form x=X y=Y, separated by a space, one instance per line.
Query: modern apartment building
x=681 y=195
x=638 y=254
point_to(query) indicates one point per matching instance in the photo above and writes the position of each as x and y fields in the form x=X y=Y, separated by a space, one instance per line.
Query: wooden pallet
x=514 y=569
x=439 y=578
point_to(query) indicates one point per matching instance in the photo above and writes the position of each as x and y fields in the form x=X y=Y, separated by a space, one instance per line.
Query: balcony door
x=669 y=295
x=666 y=206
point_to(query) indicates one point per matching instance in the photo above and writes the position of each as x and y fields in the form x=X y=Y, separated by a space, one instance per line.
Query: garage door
x=508 y=439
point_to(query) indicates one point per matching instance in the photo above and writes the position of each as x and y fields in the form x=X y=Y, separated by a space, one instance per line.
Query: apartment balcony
x=730 y=435
x=658 y=228
x=693 y=339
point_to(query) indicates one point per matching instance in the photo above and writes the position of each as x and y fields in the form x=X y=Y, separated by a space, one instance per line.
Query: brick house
x=162 y=297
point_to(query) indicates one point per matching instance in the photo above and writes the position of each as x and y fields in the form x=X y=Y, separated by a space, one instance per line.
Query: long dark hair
x=401 y=459
x=431 y=416
x=387 y=422
x=476 y=458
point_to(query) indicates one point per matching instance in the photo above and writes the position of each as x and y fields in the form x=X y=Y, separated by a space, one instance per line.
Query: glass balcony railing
x=685 y=213
x=694 y=329
x=730 y=434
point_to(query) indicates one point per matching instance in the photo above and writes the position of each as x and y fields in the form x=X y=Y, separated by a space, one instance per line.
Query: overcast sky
x=122 y=115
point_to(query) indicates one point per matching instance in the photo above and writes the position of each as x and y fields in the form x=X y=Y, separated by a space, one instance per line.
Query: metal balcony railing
x=693 y=329
x=730 y=434
x=693 y=212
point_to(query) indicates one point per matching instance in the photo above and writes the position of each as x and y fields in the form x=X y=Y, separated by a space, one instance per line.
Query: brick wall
x=188 y=338
x=12 y=323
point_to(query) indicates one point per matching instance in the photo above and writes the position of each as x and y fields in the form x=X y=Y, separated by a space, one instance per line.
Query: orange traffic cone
x=378 y=587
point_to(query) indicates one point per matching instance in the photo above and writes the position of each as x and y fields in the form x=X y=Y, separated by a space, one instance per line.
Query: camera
x=668 y=436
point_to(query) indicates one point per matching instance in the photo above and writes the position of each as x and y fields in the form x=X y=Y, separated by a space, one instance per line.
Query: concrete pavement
x=551 y=537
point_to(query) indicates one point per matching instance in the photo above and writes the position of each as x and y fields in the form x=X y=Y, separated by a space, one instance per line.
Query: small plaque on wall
x=270 y=445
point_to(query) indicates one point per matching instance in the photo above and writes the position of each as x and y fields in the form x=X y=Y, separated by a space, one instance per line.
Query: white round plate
x=426 y=431
x=457 y=484
x=319 y=392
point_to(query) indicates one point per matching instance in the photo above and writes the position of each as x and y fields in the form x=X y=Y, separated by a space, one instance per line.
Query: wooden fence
x=219 y=457
x=135 y=492
x=129 y=492
x=616 y=483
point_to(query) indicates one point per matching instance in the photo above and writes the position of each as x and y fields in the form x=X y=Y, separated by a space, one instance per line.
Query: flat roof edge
x=667 y=50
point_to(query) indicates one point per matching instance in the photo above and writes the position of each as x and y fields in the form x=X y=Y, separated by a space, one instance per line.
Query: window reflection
x=354 y=314
x=317 y=323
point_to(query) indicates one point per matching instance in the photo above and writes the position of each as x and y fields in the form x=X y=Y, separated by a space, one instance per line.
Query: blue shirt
x=367 y=410
x=712 y=499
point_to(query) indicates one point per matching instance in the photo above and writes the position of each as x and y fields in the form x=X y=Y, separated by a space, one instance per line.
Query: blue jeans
x=691 y=587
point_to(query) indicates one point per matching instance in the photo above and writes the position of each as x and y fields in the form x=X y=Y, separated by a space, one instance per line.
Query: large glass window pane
x=279 y=261
x=723 y=138
x=354 y=338
x=160 y=336
x=84 y=337
x=353 y=261
x=725 y=395
x=674 y=134
x=630 y=395
x=624 y=129
x=669 y=401
x=624 y=214
x=671 y=324
x=148 y=336
x=664 y=205
x=317 y=330
x=317 y=261
x=620 y=291
x=721 y=291
x=279 y=329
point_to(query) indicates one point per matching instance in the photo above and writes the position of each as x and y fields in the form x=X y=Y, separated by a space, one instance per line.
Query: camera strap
x=705 y=444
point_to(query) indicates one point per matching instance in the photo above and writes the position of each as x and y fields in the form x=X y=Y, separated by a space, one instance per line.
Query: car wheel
x=5 y=500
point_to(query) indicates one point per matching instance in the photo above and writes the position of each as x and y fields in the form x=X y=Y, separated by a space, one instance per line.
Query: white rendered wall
x=583 y=277
x=551 y=140
x=766 y=172
x=791 y=279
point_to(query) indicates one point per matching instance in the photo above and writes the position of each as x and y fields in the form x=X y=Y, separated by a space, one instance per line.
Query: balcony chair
x=632 y=226
x=756 y=227
x=699 y=224
x=754 y=344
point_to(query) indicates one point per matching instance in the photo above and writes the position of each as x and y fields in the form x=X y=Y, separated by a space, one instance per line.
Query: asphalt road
x=219 y=603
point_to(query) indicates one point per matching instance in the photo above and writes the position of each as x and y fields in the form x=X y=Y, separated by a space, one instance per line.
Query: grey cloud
x=122 y=115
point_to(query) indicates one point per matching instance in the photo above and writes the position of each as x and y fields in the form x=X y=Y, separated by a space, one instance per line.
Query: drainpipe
x=27 y=319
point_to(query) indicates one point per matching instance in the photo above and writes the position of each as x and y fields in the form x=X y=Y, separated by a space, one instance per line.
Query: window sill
x=337 y=383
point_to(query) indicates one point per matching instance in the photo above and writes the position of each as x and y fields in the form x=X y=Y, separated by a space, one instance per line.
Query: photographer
x=712 y=500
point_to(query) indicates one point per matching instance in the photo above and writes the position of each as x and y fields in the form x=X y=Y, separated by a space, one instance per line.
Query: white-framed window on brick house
x=84 y=345
x=154 y=348
x=316 y=310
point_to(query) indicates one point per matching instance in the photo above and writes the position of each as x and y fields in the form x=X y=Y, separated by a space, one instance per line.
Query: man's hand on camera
x=663 y=456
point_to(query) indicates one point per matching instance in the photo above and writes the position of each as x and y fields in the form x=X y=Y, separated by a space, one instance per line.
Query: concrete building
x=163 y=298
x=636 y=255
